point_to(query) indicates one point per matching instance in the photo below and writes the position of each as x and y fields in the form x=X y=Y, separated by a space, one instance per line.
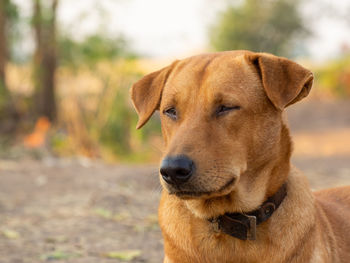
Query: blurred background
x=71 y=161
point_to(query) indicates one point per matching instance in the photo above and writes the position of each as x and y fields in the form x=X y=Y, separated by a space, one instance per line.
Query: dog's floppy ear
x=147 y=92
x=285 y=82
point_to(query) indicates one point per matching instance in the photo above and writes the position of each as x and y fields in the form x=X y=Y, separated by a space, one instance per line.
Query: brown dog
x=231 y=194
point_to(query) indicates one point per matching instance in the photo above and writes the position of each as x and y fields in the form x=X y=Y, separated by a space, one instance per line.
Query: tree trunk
x=3 y=47
x=45 y=59
x=8 y=113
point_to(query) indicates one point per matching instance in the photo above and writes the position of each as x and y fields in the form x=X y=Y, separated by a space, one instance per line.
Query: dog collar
x=243 y=226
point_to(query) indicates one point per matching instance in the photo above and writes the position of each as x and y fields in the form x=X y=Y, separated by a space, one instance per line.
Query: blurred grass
x=96 y=118
x=333 y=77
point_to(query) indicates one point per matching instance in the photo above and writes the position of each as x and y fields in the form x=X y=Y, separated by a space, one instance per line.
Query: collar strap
x=243 y=226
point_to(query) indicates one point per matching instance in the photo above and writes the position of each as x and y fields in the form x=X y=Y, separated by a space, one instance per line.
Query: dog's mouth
x=200 y=194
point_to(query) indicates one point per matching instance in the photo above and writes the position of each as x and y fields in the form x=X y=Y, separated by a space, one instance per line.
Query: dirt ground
x=77 y=210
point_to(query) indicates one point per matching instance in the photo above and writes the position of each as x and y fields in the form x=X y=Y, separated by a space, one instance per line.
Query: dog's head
x=221 y=118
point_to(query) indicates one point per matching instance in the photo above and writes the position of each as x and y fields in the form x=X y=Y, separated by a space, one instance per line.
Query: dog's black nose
x=176 y=170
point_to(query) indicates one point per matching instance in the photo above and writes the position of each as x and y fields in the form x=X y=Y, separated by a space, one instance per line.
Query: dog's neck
x=275 y=164
x=281 y=165
x=243 y=226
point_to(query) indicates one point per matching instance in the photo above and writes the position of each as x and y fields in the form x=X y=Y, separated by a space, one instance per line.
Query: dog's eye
x=222 y=109
x=171 y=112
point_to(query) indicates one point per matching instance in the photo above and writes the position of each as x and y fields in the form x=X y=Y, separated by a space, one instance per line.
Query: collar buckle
x=251 y=230
x=237 y=225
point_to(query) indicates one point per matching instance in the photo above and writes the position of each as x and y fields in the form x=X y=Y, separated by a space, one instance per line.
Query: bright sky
x=168 y=28
x=155 y=27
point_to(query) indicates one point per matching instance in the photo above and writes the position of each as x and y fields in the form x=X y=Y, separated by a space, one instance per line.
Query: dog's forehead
x=213 y=74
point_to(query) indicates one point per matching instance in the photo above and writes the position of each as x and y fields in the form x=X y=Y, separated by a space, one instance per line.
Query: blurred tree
x=266 y=26
x=8 y=114
x=334 y=76
x=109 y=59
x=3 y=47
x=44 y=24
x=92 y=49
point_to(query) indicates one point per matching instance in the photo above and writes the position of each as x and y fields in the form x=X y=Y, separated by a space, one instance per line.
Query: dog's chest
x=201 y=244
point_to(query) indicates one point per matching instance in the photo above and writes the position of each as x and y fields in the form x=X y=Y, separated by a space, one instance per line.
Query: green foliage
x=92 y=49
x=11 y=11
x=266 y=26
x=112 y=124
x=103 y=123
x=334 y=77
x=12 y=27
x=119 y=133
